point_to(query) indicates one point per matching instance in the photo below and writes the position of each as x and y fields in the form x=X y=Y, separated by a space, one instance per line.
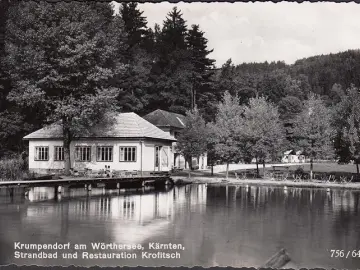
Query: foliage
x=172 y=70
x=313 y=130
x=135 y=80
x=201 y=67
x=227 y=129
x=62 y=58
x=299 y=171
x=12 y=168
x=262 y=129
x=347 y=122
x=192 y=140
x=211 y=140
x=323 y=71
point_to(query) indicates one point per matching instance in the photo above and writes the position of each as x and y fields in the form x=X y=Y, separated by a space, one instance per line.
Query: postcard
x=180 y=134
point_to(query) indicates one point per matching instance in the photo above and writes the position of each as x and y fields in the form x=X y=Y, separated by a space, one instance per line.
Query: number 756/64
x=340 y=253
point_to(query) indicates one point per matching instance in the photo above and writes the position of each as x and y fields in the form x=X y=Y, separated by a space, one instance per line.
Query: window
x=104 y=153
x=41 y=153
x=83 y=153
x=128 y=153
x=59 y=153
x=157 y=150
x=164 y=156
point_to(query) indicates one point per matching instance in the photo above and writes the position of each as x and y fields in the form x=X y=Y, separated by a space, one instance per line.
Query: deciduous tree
x=192 y=141
x=227 y=130
x=262 y=130
x=62 y=58
x=347 y=123
x=313 y=130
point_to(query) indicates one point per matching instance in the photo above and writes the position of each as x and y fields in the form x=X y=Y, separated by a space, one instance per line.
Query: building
x=128 y=143
x=173 y=124
x=291 y=156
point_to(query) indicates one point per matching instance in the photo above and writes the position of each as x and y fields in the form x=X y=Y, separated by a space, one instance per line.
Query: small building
x=128 y=143
x=291 y=156
x=173 y=124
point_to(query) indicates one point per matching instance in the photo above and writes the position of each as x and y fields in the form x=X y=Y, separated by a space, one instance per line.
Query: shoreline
x=216 y=181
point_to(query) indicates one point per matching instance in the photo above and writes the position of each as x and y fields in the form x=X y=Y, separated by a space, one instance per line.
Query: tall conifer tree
x=135 y=82
x=202 y=66
x=172 y=71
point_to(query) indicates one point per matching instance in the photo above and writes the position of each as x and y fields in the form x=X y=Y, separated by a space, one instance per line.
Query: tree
x=135 y=24
x=262 y=130
x=202 y=66
x=135 y=80
x=289 y=107
x=347 y=123
x=192 y=141
x=226 y=78
x=313 y=130
x=247 y=85
x=226 y=130
x=173 y=68
x=62 y=58
x=274 y=85
x=211 y=140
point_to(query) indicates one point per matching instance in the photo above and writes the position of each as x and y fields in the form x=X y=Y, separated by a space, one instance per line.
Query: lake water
x=216 y=226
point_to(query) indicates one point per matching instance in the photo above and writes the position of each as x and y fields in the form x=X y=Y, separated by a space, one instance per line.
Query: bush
x=12 y=168
x=299 y=171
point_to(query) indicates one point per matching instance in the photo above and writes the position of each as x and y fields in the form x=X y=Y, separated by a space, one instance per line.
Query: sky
x=258 y=32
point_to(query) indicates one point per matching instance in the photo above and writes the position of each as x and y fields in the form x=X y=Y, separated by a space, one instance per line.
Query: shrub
x=12 y=168
x=299 y=171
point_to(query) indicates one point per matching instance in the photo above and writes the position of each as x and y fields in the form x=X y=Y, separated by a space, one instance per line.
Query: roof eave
x=120 y=138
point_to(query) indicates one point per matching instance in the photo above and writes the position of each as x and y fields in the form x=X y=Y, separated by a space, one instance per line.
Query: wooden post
x=141 y=158
x=89 y=187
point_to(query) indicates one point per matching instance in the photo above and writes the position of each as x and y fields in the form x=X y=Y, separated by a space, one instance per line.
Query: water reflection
x=219 y=225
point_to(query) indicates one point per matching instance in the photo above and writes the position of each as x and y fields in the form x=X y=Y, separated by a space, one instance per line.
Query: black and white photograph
x=180 y=134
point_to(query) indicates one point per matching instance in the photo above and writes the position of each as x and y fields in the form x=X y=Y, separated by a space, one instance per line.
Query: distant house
x=291 y=156
x=129 y=143
x=173 y=124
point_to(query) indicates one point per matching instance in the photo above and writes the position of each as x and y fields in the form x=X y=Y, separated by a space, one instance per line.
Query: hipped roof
x=125 y=125
x=161 y=118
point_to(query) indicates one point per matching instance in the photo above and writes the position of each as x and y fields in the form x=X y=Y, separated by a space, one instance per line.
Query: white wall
x=147 y=158
x=44 y=165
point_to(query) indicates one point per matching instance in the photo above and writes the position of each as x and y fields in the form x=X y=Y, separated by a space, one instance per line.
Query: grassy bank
x=327 y=167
